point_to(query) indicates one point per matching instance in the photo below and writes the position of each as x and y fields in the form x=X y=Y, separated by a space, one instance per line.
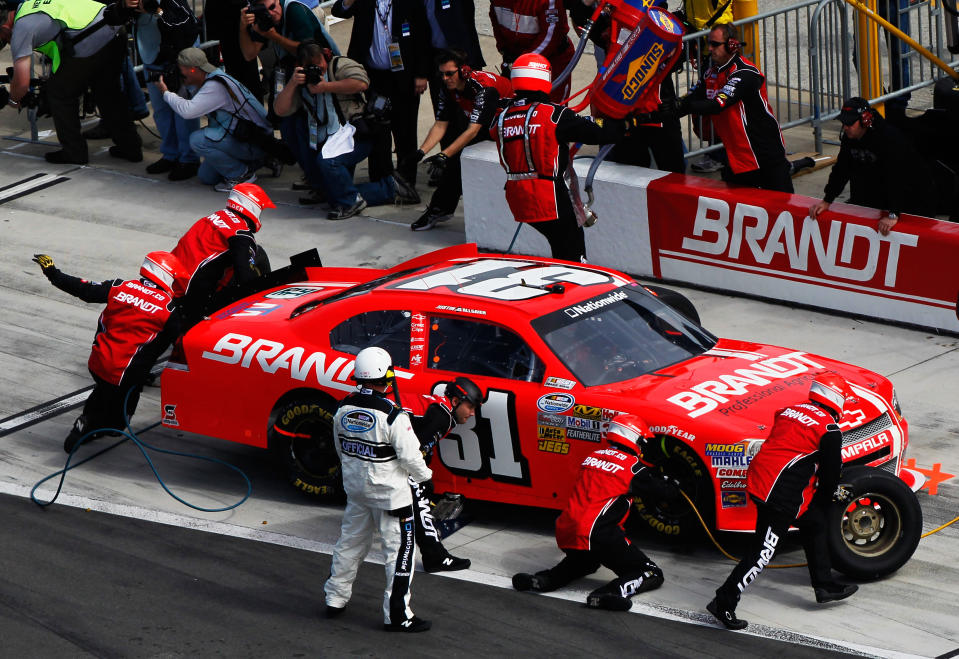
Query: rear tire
x=302 y=437
x=675 y=518
x=876 y=534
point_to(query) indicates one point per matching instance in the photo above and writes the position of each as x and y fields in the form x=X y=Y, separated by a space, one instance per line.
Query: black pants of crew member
x=427 y=537
x=101 y=71
x=398 y=86
x=768 y=177
x=564 y=235
x=665 y=143
x=635 y=573
x=771 y=527
x=104 y=406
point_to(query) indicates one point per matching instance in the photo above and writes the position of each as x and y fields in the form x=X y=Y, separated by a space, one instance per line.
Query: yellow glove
x=45 y=262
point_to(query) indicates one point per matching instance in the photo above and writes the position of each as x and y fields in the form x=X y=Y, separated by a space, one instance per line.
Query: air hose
x=129 y=434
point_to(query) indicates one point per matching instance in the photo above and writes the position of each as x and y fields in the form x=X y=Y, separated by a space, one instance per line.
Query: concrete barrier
x=700 y=232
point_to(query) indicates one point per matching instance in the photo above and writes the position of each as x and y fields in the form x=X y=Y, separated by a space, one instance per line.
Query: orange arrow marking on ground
x=934 y=476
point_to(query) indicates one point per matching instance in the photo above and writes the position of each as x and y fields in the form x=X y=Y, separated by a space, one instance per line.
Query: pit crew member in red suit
x=140 y=321
x=733 y=92
x=533 y=136
x=379 y=454
x=221 y=247
x=590 y=529
x=434 y=417
x=533 y=26
x=473 y=94
x=793 y=479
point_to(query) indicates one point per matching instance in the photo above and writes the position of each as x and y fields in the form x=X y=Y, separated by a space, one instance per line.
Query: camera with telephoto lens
x=171 y=77
x=261 y=16
x=313 y=73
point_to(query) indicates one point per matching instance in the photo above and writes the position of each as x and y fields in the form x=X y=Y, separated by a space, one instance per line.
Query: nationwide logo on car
x=555 y=402
x=594 y=305
x=358 y=421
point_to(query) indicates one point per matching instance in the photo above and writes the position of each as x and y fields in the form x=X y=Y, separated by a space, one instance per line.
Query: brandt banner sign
x=764 y=243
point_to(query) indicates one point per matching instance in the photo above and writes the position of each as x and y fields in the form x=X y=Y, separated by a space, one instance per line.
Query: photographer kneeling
x=329 y=133
x=230 y=144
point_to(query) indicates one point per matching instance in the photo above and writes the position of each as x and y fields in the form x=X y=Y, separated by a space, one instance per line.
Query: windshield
x=620 y=335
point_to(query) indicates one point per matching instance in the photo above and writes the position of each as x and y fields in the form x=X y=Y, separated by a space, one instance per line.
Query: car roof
x=496 y=283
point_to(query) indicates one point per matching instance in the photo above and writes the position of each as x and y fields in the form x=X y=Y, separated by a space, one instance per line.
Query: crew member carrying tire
x=140 y=321
x=220 y=248
x=532 y=136
x=793 y=479
x=590 y=528
x=433 y=418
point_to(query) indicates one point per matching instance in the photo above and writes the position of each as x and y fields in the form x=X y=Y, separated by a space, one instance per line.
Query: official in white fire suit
x=379 y=453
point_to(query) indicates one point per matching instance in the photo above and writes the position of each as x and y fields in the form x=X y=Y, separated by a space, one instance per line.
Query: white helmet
x=373 y=365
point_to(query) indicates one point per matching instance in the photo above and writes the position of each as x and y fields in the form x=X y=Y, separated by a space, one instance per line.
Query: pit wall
x=697 y=231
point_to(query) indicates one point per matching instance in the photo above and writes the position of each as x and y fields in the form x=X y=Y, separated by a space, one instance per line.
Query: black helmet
x=465 y=389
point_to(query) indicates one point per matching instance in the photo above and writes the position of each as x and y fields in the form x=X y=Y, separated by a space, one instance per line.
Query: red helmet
x=249 y=199
x=531 y=72
x=831 y=391
x=628 y=430
x=166 y=271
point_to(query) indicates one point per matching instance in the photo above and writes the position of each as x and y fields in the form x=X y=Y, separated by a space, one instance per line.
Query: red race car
x=559 y=348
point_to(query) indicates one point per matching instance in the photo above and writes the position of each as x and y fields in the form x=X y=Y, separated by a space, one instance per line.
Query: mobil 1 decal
x=506 y=279
x=488 y=446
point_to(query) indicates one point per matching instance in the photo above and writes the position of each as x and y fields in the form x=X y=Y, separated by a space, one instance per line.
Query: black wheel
x=676 y=300
x=675 y=518
x=877 y=533
x=302 y=437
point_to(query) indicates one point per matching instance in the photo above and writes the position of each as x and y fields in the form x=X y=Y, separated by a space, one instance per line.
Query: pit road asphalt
x=76 y=583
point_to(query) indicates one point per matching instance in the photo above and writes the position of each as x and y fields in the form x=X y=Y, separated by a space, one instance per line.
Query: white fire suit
x=379 y=453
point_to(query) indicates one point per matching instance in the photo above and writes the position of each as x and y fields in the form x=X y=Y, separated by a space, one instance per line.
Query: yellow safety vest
x=71 y=14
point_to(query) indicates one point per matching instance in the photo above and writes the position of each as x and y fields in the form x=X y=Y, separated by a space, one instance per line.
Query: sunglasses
x=716 y=44
x=449 y=74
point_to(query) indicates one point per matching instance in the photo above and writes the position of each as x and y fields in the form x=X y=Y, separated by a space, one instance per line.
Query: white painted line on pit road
x=494 y=580
x=28 y=185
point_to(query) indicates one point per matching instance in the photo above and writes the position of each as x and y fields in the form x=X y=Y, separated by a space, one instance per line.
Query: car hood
x=735 y=389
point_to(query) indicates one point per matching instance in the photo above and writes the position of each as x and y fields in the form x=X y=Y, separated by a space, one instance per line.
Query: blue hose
x=129 y=434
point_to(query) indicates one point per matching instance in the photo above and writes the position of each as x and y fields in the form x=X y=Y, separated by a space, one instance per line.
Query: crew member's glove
x=46 y=264
x=437 y=164
x=30 y=100
x=410 y=160
x=843 y=494
x=675 y=107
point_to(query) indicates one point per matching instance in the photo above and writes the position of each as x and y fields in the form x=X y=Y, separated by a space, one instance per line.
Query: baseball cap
x=852 y=110
x=196 y=58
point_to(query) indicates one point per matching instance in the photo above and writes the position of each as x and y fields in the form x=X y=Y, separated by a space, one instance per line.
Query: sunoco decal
x=733 y=499
x=358 y=421
x=555 y=402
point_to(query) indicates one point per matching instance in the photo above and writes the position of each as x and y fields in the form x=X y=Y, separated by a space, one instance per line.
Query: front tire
x=878 y=532
x=675 y=518
x=302 y=437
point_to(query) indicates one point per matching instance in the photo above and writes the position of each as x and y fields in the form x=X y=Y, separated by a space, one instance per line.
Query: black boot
x=725 y=615
x=833 y=592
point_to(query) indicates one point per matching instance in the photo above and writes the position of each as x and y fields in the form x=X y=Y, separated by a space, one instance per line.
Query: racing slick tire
x=676 y=300
x=301 y=434
x=878 y=532
x=675 y=518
